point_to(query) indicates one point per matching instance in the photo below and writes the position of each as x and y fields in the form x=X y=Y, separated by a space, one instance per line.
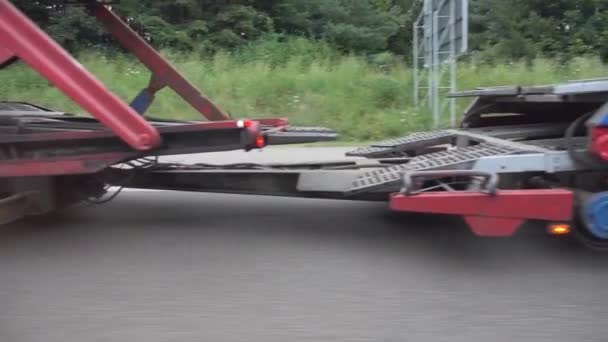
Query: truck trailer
x=520 y=153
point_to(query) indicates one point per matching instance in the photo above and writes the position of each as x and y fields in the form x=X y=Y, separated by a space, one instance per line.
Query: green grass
x=352 y=94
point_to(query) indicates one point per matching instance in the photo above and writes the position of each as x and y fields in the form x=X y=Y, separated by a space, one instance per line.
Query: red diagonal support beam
x=21 y=37
x=164 y=74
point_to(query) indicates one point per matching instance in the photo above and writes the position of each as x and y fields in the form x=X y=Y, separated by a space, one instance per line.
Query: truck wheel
x=591 y=221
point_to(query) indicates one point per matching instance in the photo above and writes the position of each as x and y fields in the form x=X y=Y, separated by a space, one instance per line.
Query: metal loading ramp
x=401 y=146
x=413 y=143
x=452 y=149
x=457 y=158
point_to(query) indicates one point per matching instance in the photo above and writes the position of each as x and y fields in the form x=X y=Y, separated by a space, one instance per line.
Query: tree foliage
x=514 y=29
x=529 y=28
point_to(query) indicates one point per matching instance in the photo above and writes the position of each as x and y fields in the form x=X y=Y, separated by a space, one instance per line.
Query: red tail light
x=260 y=141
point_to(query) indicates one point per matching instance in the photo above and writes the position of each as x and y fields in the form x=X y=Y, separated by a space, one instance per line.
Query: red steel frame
x=496 y=215
x=163 y=73
x=23 y=39
x=247 y=131
x=20 y=37
x=61 y=166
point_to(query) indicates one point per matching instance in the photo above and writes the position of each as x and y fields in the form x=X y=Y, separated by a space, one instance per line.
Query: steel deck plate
x=372 y=152
x=391 y=176
x=396 y=146
x=419 y=137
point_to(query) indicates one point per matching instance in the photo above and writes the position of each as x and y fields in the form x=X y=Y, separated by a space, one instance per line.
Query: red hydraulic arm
x=20 y=37
x=163 y=73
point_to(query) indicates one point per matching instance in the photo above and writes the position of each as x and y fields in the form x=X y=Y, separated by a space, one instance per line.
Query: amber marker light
x=560 y=229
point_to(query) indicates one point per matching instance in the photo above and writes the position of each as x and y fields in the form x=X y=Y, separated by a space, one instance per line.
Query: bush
x=306 y=81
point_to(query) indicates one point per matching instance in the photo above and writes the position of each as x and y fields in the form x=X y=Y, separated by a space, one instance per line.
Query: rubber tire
x=583 y=235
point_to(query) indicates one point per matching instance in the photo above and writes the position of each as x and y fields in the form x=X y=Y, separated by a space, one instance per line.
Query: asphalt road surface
x=167 y=266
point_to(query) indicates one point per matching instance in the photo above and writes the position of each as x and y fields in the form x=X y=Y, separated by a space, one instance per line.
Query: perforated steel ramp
x=375 y=152
x=379 y=179
x=398 y=146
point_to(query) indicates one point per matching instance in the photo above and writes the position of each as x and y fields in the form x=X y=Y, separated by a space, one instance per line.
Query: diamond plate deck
x=374 y=152
x=424 y=137
x=391 y=176
x=396 y=146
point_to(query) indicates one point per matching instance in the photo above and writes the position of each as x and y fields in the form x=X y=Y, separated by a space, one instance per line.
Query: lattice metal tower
x=440 y=37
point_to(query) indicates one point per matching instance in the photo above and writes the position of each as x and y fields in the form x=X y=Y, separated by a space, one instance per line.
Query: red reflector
x=260 y=141
x=248 y=123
